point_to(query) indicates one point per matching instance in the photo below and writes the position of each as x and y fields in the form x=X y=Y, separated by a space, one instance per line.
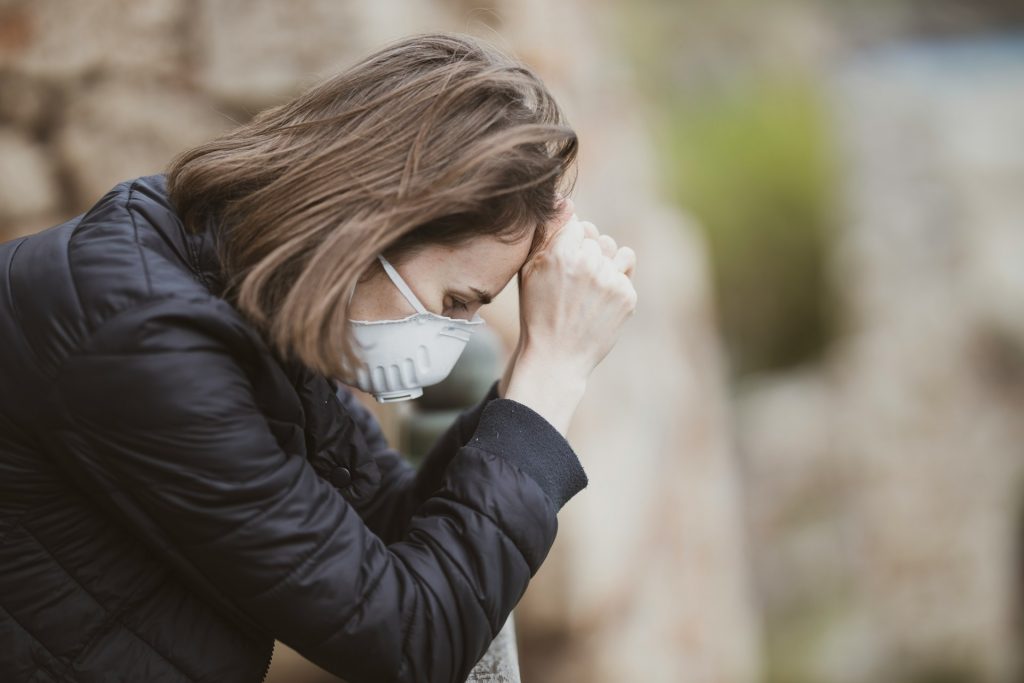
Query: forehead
x=485 y=262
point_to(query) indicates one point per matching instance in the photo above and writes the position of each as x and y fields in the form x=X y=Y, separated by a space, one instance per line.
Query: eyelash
x=459 y=304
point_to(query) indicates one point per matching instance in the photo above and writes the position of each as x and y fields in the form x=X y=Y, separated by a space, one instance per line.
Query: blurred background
x=806 y=453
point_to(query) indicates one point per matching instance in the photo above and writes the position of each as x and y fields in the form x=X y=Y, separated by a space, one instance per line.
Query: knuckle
x=626 y=290
x=591 y=252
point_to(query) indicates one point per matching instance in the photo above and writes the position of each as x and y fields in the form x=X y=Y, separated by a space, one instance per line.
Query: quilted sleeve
x=402 y=486
x=158 y=408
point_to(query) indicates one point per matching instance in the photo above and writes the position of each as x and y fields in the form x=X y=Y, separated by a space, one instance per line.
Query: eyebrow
x=484 y=296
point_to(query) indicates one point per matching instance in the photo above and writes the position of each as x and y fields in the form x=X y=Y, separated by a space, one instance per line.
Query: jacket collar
x=206 y=262
x=196 y=251
x=329 y=438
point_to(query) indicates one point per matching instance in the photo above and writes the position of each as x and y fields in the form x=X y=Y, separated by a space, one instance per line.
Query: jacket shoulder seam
x=78 y=226
x=13 y=303
x=135 y=234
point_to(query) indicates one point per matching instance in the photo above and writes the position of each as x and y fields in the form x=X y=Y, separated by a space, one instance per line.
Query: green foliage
x=792 y=642
x=753 y=164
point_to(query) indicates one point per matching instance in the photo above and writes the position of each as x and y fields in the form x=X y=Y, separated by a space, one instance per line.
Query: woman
x=185 y=473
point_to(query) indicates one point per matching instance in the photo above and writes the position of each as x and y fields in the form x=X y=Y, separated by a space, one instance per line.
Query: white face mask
x=400 y=357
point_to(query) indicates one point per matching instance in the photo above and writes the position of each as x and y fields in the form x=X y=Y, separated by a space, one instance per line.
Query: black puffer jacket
x=173 y=496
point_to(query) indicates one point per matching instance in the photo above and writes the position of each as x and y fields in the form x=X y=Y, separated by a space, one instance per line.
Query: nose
x=467 y=314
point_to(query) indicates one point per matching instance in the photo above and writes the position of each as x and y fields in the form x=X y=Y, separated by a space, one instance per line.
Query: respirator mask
x=400 y=357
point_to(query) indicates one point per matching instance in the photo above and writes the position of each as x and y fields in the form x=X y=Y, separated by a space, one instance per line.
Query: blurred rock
x=257 y=52
x=27 y=185
x=28 y=103
x=58 y=39
x=115 y=130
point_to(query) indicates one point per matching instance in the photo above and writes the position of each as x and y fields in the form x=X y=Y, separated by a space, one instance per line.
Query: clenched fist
x=575 y=293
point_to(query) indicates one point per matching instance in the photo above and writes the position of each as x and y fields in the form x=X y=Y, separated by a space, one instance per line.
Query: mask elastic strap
x=400 y=283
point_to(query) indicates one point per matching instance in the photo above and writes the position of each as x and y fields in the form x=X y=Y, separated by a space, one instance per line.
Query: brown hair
x=436 y=138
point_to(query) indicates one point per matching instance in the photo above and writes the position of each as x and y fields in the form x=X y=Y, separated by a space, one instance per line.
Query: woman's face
x=443 y=278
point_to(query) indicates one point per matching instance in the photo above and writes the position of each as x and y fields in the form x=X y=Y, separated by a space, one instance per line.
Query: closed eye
x=459 y=308
x=456 y=304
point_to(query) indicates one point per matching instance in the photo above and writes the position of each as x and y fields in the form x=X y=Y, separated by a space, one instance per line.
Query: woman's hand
x=563 y=215
x=575 y=294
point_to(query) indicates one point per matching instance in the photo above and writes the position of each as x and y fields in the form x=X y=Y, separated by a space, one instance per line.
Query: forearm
x=402 y=487
x=551 y=388
x=433 y=465
x=509 y=369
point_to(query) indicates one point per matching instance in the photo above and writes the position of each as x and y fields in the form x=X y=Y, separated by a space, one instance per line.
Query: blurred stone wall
x=886 y=487
x=648 y=577
x=92 y=93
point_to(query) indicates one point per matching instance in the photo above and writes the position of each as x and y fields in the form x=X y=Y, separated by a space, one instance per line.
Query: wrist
x=506 y=377
x=503 y=382
x=552 y=369
x=551 y=389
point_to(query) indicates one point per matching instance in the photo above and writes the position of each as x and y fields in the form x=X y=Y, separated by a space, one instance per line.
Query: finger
x=590 y=230
x=632 y=299
x=570 y=236
x=608 y=245
x=625 y=260
x=591 y=251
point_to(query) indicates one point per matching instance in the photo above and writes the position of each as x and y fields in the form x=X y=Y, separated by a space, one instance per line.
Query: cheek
x=441 y=303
